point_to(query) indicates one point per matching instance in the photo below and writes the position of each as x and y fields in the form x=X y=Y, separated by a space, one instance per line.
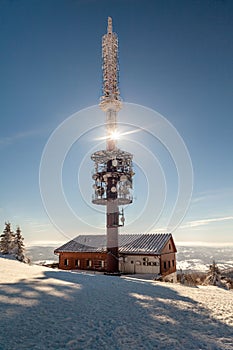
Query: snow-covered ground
x=42 y=309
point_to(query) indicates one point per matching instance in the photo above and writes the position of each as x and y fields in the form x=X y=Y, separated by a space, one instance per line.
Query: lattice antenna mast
x=110 y=100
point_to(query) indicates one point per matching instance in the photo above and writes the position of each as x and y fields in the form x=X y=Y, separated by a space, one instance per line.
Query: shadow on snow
x=64 y=310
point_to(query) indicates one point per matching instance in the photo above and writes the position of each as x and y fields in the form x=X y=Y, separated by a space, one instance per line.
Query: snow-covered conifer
x=19 y=250
x=213 y=276
x=7 y=240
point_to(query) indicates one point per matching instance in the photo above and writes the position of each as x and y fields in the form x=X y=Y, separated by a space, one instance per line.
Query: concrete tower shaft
x=111 y=105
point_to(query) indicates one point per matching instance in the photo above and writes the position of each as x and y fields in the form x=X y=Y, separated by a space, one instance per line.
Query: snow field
x=42 y=309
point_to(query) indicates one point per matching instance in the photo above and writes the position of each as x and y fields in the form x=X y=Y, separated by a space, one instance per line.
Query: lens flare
x=115 y=135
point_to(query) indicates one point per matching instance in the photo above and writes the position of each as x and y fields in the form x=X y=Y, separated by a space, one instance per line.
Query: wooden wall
x=82 y=261
x=168 y=258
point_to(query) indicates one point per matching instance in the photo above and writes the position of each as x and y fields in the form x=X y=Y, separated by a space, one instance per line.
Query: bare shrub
x=191 y=278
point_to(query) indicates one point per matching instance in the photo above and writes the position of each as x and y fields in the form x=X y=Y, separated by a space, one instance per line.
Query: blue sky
x=175 y=58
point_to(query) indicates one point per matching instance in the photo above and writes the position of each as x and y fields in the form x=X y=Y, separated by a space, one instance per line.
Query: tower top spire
x=109 y=25
x=111 y=94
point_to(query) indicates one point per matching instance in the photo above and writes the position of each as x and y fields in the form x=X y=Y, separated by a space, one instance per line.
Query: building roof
x=128 y=243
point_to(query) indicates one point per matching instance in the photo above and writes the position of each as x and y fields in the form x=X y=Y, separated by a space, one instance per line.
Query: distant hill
x=42 y=253
x=200 y=257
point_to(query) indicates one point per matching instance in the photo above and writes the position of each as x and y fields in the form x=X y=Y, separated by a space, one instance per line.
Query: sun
x=115 y=135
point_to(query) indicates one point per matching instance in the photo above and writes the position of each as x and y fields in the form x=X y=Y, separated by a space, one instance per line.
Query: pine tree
x=213 y=276
x=215 y=273
x=7 y=238
x=19 y=249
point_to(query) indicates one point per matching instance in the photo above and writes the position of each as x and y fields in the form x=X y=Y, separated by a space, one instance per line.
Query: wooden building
x=138 y=253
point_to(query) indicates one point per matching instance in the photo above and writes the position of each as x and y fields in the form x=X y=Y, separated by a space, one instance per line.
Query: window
x=131 y=261
x=173 y=263
x=164 y=265
x=77 y=263
x=89 y=263
x=169 y=246
x=98 y=264
x=66 y=262
x=169 y=264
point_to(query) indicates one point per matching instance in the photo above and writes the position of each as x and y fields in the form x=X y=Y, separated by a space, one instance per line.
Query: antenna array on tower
x=111 y=93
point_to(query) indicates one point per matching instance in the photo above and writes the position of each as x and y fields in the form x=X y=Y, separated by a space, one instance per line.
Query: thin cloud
x=212 y=195
x=9 y=140
x=204 y=222
x=38 y=225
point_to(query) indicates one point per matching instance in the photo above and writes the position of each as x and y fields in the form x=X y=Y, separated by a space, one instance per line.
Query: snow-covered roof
x=128 y=243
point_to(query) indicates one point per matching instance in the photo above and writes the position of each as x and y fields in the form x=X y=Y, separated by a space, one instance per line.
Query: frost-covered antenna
x=113 y=167
x=111 y=93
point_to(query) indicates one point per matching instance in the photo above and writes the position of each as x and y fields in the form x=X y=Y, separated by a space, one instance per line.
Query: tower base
x=112 y=260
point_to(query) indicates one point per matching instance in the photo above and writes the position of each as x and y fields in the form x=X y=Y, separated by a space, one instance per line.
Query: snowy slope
x=50 y=309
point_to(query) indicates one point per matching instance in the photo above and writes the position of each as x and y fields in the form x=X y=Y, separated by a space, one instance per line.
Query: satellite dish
x=100 y=191
x=123 y=178
x=113 y=189
x=114 y=162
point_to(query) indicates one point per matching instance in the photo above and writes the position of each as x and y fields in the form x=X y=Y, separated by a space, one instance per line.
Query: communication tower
x=113 y=169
